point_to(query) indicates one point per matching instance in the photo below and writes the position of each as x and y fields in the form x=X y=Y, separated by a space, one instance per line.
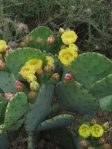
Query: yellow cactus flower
x=73 y=46
x=35 y=63
x=50 y=60
x=26 y=70
x=69 y=37
x=67 y=55
x=3 y=46
x=84 y=131
x=61 y=30
x=34 y=85
x=31 y=77
x=97 y=130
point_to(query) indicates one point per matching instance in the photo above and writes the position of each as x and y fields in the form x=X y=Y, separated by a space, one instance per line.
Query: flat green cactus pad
x=43 y=32
x=106 y=103
x=4 y=142
x=7 y=82
x=17 y=59
x=90 y=67
x=57 y=121
x=41 y=108
x=73 y=97
x=16 y=108
x=102 y=87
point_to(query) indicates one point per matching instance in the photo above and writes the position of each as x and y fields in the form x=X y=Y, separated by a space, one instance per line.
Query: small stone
x=84 y=143
x=102 y=140
x=106 y=146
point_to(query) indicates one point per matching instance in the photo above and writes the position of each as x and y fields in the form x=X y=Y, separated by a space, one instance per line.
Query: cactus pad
x=17 y=59
x=16 y=108
x=106 y=103
x=4 y=142
x=41 y=108
x=7 y=82
x=102 y=87
x=90 y=67
x=43 y=32
x=57 y=121
x=73 y=97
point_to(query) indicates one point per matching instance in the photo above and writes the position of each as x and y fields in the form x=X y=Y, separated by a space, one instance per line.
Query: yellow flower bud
x=34 y=86
x=61 y=30
x=31 y=77
x=3 y=46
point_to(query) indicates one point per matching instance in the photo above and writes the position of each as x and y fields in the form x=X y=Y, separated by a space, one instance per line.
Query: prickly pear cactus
x=7 y=82
x=41 y=108
x=73 y=97
x=2 y=109
x=102 y=87
x=17 y=59
x=43 y=33
x=106 y=103
x=15 y=110
x=93 y=80
x=4 y=141
x=90 y=67
x=57 y=121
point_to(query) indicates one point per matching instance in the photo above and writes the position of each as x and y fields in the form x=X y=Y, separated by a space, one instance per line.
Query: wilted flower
x=39 y=72
x=32 y=94
x=55 y=76
x=34 y=85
